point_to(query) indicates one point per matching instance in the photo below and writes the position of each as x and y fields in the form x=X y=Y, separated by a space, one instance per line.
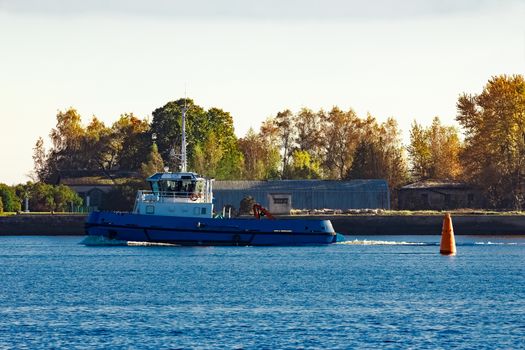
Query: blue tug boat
x=178 y=209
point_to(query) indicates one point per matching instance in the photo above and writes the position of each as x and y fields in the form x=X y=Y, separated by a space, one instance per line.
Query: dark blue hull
x=198 y=231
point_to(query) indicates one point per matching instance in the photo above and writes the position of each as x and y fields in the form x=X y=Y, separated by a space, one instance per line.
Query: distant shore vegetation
x=307 y=144
x=41 y=197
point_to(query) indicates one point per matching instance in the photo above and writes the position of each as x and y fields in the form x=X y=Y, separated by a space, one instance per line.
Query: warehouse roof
x=304 y=185
x=436 y=184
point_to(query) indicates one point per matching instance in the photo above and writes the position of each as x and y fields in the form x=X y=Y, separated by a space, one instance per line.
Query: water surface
x=372 y=292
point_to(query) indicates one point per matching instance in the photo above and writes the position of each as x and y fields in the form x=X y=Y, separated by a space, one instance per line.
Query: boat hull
x=207 y=231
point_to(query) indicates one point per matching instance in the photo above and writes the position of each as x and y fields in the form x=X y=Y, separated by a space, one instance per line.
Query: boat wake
x=104 y=241
x=375 y=242
x=151 y=244
x=498 y=243
x=404 y=243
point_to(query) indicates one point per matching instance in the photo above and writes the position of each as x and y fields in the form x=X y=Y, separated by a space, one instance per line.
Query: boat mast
x=184 y=162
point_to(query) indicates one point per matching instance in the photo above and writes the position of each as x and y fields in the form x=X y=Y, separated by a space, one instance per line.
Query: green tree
x=1 y=205
x=122 y=197
x=167 y=125
x=154 y=163
x=221 y=136
x=10 y=201
x=303 y=166
x=367 y=161
x=42 y=198
x=494 y=153
x=22 y=191
x=203 y=130
x=45 y=197
x=64 y=198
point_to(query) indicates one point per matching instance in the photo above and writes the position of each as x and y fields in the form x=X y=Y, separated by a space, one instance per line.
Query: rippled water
x=372 y=292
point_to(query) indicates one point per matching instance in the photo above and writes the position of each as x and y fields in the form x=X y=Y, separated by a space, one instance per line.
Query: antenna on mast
x=184 y=161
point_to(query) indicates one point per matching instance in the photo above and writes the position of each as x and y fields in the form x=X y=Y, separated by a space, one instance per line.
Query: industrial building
x=280 y=196
x=439 y=195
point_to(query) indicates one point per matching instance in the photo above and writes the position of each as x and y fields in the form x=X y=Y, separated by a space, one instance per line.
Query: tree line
x=307 y=144
x=41 y=197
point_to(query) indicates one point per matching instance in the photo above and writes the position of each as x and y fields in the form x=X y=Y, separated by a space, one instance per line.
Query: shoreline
x=373 y=225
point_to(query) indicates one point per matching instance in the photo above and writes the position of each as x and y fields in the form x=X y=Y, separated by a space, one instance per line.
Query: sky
x=407 y=59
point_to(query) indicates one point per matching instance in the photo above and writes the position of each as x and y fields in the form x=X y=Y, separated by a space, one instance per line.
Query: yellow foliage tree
x=494 y=154
x=434 y=151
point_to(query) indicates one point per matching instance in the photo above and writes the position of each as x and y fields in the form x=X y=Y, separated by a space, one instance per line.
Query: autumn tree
x=269 y=136
x=342 y=137
x=99 y=147
x=40 y=161
x=253 y=151
x=368 y=160
x=284 y=124
x=309 y=127
x=207 y=156
x=494 y=153
x=380 y=154
x=394 y=155
x=419 y=152
x=67 y=139
x=124 y=145
x=260 y=158
x=133 y=141
x=434 y=151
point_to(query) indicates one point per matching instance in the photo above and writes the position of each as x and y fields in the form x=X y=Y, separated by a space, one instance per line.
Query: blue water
x=375 y=292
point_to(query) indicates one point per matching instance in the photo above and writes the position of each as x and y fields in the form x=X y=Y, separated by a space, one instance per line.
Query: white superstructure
x=176 y=194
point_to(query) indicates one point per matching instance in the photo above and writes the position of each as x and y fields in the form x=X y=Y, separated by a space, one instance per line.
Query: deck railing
x=173 y=196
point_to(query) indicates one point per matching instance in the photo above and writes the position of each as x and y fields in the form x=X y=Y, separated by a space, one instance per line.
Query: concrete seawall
x=44 y=225
x=426 y=224
x=61 y=224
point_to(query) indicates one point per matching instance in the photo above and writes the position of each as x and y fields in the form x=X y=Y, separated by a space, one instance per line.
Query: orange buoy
x=448 y=243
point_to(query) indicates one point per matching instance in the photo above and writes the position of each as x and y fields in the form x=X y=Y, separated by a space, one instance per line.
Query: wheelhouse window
x=178 y=188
